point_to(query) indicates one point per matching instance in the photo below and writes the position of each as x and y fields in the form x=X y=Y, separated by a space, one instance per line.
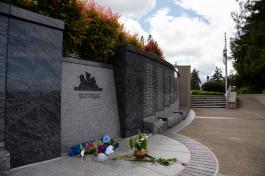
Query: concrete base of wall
x=4 y=160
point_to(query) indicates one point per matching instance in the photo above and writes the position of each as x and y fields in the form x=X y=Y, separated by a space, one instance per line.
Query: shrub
x=102 y=33
x=247 y=90
x=213 y=86
x=199 y=92
x=133 y=40
x=152 y=47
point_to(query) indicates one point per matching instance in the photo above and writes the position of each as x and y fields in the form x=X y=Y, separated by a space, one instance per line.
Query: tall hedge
x=214 y=86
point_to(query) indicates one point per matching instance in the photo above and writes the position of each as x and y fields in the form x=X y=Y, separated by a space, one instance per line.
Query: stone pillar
x=4 y=154
x=33 y=85
x=3 y=55
x=184 y=86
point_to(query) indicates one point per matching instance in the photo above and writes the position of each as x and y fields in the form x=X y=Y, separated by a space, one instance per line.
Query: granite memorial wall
x=89 y=106
x=146 y=88
x=49 y=103
x=30 y=92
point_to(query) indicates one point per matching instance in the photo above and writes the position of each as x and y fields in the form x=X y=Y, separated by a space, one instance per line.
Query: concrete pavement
x=237 y=137
x=159 y=146
x=198 y=158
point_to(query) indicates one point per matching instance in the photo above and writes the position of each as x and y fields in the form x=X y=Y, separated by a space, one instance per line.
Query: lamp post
x=225 y=63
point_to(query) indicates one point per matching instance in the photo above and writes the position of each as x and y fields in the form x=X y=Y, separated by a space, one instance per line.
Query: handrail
x=227 y=95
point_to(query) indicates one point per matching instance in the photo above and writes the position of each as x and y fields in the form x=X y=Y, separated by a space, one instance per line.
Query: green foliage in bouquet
x=139 y=141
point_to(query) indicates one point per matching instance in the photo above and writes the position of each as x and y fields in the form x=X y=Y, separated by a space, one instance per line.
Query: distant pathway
x=237 y=137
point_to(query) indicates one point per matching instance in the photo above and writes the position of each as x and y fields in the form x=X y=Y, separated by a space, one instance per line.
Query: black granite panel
x=159 y=88
x=28 y=40
x=23 y=14
x=33 y=110
x=33 y=95
x=119 y=69
x=163 y=87
x=142 y=87
x=4 y=8
x=167 y=88
x=2 y=97
x=3 y=50
x=149 y=90
x=134 y=93
x=3 y=36
x=172 y=86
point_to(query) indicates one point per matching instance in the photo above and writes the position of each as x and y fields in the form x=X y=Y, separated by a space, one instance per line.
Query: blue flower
x=75 y=150
x=116 y=145
x=106 y=139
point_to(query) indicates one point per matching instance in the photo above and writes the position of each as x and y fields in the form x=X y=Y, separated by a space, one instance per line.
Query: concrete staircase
x=208 y=101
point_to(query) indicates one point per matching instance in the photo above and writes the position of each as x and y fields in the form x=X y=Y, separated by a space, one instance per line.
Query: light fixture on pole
x=225 y=63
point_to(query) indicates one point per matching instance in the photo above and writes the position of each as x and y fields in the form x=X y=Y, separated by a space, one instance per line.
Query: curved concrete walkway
x=198 y=158
x=237 y=137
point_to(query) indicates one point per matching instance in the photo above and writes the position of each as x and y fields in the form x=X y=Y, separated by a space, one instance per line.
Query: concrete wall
x=146 y=88
x=258 y=97
x=32 y=51
x=92 y=111
x=184 y=86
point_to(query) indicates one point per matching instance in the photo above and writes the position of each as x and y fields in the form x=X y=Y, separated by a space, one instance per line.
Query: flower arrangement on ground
x=139 y=142
x=102 y=148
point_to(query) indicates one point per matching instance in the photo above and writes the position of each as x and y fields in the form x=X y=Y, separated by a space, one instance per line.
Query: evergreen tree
x=248 y=46
x=195 y=80
x=217 y=76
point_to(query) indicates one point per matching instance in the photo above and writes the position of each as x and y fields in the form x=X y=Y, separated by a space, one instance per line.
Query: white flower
x=101 y=157
x=109 y=150
x=82 y=153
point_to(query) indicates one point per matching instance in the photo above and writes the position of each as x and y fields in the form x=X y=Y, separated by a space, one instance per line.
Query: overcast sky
x=190 y=32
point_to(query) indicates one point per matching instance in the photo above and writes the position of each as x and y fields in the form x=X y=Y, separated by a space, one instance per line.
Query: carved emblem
x=87 y=83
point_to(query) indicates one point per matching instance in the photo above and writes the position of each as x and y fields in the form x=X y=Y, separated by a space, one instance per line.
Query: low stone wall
x=232 y=101
x=259 y=97
x=89 y=107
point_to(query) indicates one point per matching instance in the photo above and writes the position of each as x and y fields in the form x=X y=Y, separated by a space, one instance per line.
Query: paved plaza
x=235 y=136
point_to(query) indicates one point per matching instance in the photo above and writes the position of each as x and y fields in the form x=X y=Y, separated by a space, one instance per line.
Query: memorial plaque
x=159 y=89
x=89 y=107
x=171 y=87
x=175 y=85
x=167 y=88
x=149 y=94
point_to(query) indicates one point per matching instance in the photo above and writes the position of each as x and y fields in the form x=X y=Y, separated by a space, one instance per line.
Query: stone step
x=208 y=106
x=208 y=101
x=210 y=98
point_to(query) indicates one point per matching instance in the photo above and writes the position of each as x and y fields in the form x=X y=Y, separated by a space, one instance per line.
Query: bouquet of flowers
x=102 y=148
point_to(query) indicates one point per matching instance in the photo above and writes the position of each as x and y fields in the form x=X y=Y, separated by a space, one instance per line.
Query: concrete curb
x=203 y=161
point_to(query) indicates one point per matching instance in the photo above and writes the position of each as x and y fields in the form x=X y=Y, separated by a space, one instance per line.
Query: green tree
x=195 y=80
x=248 y=46
x=217 y=76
